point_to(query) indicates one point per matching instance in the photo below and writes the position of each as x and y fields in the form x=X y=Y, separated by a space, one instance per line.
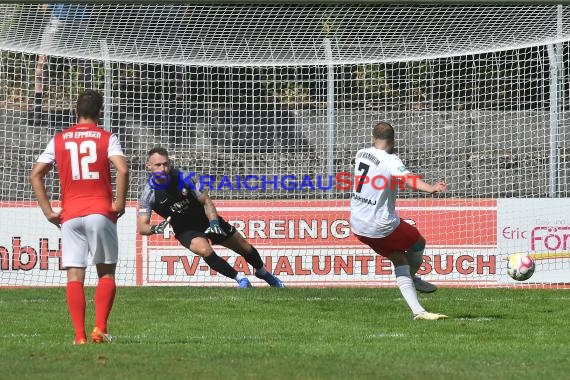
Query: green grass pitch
x=263 y=333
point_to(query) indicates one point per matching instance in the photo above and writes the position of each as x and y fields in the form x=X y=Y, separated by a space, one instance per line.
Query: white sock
x=407 y=288
x=239 y=276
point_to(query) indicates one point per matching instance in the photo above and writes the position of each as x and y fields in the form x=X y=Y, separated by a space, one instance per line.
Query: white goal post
x=284 y=95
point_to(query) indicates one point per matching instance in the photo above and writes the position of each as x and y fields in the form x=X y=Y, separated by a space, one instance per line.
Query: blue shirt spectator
x=69 y=12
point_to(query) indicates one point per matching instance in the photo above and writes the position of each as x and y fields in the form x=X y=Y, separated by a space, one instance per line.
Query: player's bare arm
x=120 y=164
x=143 y=225
x=37 y=176
x=145 y=228
x=415 y=182
x=211 y=214
x=208 y=203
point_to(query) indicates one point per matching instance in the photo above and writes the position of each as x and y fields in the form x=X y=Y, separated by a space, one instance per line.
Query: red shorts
x=400 y=240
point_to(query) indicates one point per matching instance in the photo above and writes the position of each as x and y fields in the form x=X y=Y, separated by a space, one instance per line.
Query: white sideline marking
x=528 y=298
x=273 y=297
x=194 y=338
x=34 y=300
x=339 y=208
x=387 y=335
x=20 y=335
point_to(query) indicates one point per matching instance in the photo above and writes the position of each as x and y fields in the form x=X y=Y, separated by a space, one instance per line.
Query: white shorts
x=94 y=234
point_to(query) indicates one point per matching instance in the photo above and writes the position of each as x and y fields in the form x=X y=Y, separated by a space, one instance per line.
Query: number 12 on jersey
x=80 y=168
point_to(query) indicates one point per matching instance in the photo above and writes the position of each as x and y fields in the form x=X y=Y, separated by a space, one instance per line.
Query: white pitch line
x=277 y=208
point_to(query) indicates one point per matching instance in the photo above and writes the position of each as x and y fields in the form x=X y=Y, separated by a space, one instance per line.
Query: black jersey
x=162 y=200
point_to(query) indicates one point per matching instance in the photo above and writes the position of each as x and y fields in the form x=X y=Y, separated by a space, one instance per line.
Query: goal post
x=267 y=105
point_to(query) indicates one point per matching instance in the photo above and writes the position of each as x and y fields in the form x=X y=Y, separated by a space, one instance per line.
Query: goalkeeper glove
x=180 y=207
x=159 y=228
x=215 y=229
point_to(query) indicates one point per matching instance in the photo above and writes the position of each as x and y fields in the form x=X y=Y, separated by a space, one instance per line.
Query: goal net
x=268 y=104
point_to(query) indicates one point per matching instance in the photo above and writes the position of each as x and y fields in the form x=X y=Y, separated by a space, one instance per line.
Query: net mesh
x=277 y=35
x=287 y=95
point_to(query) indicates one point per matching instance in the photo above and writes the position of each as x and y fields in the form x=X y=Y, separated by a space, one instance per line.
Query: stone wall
x=480 y=153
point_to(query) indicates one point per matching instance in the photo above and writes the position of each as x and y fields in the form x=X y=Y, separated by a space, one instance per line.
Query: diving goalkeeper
x=195 y=221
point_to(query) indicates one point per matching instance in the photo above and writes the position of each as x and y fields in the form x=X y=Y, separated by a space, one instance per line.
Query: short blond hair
x=383 y=131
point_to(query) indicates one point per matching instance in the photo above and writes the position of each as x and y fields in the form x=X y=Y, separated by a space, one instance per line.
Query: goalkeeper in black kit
x=194 y=219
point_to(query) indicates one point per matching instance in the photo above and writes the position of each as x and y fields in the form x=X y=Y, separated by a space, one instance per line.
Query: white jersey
x=373 y=202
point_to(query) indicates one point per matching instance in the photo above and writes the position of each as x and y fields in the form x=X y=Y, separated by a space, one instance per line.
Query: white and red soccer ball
x=520 y=266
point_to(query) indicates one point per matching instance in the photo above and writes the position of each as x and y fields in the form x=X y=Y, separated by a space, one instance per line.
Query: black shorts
x=185 y=237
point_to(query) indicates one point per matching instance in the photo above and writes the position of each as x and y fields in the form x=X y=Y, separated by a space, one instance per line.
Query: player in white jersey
x=378 y=174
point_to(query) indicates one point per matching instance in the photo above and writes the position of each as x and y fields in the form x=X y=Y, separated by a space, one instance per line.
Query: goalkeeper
x=194 y=219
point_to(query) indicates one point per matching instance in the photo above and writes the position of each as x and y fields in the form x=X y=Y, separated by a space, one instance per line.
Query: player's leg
x=238 y=244
x=36 y=113
x=197 y=242
x=104 y=244
x=405 y=282
x=415 y=257
x=412 y=243
x=407 y=287
x=391 y=248
x=75 y=296
x=47 y=41
x=104 y=299
x=85 y=66
x=74 y=259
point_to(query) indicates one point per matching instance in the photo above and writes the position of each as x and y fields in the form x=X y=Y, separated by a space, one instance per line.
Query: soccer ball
x=520 y=266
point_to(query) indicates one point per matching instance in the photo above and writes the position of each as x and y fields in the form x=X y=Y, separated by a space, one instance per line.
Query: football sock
x=104 y=297
x=415 y=259
x=261 y=271
x=76 y=305
x=406 y=285
x=220 y=265
x=239 y=277
x=254 y=259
